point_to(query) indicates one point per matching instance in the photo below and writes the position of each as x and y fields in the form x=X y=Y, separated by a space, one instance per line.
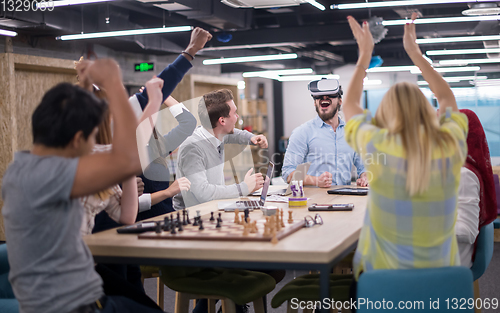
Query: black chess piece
x=180 y=228
x=178 y=218
x=158 y=229
x=218 y=223
x=247 y=213
x=220 y=217
x=212 y=217
x=172 y=225
x=184 y=222
x=196 y=219
x=187 y=217
x=201 y=225
x=166 y=224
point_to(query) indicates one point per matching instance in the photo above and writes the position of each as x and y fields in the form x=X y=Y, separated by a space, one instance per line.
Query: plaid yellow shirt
x=402 y=231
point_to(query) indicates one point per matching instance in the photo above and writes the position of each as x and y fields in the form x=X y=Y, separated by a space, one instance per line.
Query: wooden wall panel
x=30 y=88
x=23 y=81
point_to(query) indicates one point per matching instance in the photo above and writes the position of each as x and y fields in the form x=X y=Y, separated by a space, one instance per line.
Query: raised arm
x=100 y=171
x=351 y=104
x=437 y=84
x=174 y=72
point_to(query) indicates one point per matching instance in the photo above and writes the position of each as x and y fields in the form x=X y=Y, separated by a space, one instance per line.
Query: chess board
x=229 y=231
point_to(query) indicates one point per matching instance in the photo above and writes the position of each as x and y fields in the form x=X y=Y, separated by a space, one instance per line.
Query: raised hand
x=199 y=37
x=102 y=72
x=259 y=140
x=154 y=86
x=254 y=182
x=410 y=37
x=362 y=35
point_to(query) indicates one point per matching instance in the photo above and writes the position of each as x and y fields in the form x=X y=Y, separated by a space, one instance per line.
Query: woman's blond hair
x=405 y=111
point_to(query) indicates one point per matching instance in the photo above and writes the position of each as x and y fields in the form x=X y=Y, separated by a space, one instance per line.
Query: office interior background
x=292 y=42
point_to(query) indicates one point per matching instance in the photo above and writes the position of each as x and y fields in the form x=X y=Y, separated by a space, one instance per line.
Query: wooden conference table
x=316 y=248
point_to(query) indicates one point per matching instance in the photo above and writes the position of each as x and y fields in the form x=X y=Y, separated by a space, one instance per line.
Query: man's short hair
x=64 y=110
x=213 y=105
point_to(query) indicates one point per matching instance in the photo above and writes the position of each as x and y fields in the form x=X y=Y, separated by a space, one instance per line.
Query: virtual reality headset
x=324 y=87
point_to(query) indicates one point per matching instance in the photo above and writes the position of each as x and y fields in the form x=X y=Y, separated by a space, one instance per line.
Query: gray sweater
x=199 y=161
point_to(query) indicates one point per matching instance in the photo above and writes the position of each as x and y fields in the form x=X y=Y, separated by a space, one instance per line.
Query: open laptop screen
x=267 y=182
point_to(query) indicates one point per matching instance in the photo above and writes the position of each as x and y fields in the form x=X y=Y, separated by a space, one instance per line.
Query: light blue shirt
x=326 y=149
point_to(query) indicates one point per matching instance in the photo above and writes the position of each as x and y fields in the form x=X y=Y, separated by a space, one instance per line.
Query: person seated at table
x=51 y=268
x=321 y=142
x=412 y=203
x=201 y=157
x=477 y=200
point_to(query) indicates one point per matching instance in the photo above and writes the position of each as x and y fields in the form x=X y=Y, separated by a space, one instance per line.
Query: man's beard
x=327 y=116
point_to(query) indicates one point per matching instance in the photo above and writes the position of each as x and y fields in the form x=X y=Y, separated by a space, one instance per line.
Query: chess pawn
x=290 y=219
x=266 y=230
x=242 y=220
x=236 y=216
x=245 y=229
x=212 y=218
x=274 y=240
x=254 y=228
x=201 y=224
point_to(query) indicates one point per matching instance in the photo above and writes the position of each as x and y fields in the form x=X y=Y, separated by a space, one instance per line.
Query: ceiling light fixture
x=371 y=82
x=482 y=9
x=384 y=69
x=462 y=51
x=306 y=78
x=253 y=46
x=145 y=31
x=384 y=4
x=456 y=39
x=450 y=69
x=316 y=4
x=440 y=20
x=62 y=3
x=255 y=58
x=487 y=82
x=456 y=79
x=9 y=33
x=464 y=62
x=278 y=72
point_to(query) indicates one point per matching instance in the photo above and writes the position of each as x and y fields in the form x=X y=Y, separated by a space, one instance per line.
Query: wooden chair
x=231 y=286
x=154 y=272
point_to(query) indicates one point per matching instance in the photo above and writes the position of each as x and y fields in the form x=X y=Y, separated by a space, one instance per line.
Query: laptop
x=250 y=204
x=299 y=174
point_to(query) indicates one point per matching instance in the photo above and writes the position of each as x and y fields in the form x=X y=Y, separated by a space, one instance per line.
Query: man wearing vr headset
x=321 y=142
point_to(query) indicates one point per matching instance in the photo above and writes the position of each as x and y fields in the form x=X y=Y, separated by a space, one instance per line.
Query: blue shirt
x=326 y=149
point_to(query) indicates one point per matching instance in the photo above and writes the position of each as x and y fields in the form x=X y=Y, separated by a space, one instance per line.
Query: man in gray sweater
x=201 y=157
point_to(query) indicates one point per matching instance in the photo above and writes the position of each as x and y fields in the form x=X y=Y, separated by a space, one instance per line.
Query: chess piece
x=166 y=224
x=180 y=228
x=245 y=229
x=187 y=217
x=277 y=222
x=184 y=222
x=282 y=221
x=158 y=229
x=212 y=217
x=201 y=224
x=242 y=220
x=274 y=240
x=198 y=213
x=254 y=228
x=290 y=219
x=218 y=223
x=247 y=213
x=236 y=216
x=220 y=218
x=266 y=230
x=196 y=218
x=172 y=225
x=178 y=218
